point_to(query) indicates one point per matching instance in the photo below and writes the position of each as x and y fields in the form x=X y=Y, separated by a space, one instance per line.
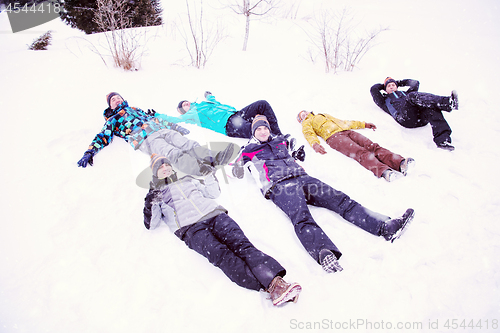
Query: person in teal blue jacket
x=222 y=118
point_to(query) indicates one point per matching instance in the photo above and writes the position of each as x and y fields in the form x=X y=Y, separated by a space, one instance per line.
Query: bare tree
x=123 y=43
x=249 y=8
x=202 y=37
x=290 y=9
x=336 y=41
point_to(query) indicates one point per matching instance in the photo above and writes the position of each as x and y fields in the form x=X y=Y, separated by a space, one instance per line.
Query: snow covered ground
x=75 y=256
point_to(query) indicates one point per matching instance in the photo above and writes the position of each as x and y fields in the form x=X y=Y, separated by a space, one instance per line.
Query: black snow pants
x=421 y=109
x=292 y=197
x=239 y=125
x=223 y=243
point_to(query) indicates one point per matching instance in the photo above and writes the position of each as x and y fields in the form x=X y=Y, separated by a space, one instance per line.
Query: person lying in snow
x=413 y=109
x=152 y=135
x=188 y=207
x=287 y=184
x=223 y=118
x=338 y=135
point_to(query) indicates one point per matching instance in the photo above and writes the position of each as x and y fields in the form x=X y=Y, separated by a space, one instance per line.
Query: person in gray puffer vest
x=188 y=207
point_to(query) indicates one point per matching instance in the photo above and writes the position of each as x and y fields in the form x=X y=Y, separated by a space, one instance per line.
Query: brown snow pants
x=365 y=152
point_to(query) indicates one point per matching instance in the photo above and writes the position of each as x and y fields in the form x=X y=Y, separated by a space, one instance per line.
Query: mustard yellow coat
x=325 y=126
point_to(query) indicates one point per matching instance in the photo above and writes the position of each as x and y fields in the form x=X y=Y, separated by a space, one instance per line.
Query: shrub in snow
x=41 y=42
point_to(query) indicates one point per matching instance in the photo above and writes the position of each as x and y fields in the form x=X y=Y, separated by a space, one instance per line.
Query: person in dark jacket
x=223 y=118
x=152 y=135
x=287 y=184
x=188 y=207
x=412 y=108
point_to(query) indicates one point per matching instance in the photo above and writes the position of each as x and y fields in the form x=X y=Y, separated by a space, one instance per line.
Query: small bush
x=41 y=42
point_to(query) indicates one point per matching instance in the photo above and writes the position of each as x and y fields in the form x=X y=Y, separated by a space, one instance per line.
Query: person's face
x=115 y=101
x=302 y=115
x=186 y=106
x=391 y=87
x=164 y=171
x=262 y=133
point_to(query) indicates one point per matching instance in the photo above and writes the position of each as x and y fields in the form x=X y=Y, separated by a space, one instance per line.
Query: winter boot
x=406 y=164
x=329 y=261
x=282 y=292
x=446 y=146
x=391 y=175
x=454 y=100
x=393 y=229
x=224 y=156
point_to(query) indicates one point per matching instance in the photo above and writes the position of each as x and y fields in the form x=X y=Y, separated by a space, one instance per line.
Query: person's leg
x=264 y=108
x=199 y=238
x=321 y=194
x=176 y=148
x=344 y=143
x=412 y=116
x=382 y=154
x=430 y=101
x=238 y=127
x=441 y=130
x=263 y=267
x=289 y=197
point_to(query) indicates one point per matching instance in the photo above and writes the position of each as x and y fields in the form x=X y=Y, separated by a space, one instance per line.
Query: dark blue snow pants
x=239 y=125
x=293 y=196
x=423 y=108
x=224 y=244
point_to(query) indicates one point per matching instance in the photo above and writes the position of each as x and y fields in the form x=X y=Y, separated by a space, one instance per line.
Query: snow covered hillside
x=74 y=253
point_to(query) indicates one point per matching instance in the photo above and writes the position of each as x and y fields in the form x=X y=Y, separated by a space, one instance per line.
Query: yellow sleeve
x=354 y=124
x=309 y=133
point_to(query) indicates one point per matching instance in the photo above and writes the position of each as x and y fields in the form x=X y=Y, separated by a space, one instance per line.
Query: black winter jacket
x=270 y=163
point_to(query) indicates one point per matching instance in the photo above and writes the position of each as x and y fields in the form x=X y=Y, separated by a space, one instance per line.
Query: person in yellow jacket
x=338 y=135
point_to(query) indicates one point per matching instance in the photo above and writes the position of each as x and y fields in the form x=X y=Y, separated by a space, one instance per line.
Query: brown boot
x=282 y=292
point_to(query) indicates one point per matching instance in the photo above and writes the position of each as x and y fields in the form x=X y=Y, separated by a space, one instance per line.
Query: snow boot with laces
x=282 y=292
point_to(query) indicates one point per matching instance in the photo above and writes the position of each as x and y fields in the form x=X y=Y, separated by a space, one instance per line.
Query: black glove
x=179 y=129
x=87 y=158
x=206 y=169
x=156 y=197
x=238 y=169
x=151 y=112
x=207 y=93
x=299 y=154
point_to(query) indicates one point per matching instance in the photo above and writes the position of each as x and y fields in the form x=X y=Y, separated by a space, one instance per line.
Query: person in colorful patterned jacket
x=338 y=134
x=151 y=135
x=412 y=108
x=188 y=207
x=289 y=187
x=223 y=118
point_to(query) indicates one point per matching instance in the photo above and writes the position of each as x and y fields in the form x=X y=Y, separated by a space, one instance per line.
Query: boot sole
x=408 y=219
x=291 y=294
x=226 y=155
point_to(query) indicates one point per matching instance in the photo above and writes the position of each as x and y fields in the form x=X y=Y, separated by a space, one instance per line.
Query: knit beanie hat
x=179 y=107
x=157 y=161
x=299 y=118
x=389 y=80
x=110 y=95
x=260 y=120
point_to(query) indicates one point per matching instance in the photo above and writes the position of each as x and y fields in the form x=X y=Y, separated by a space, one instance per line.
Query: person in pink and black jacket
x=283 y=181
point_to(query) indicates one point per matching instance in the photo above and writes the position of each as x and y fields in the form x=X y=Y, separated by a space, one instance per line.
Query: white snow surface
x=74 y=253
